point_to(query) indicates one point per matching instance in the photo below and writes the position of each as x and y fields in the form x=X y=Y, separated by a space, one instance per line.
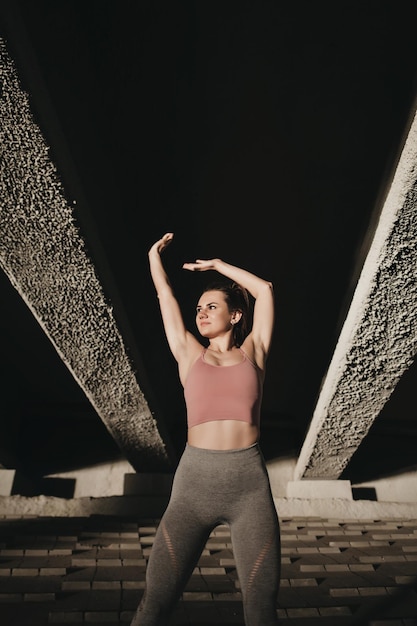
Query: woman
x=221 y=477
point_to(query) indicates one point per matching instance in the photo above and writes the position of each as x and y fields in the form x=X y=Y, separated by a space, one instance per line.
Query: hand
x=160 y=245
x=200 y=265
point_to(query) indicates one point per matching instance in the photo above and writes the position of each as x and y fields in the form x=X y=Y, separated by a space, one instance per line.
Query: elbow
x=268 y=287
x=265 y=290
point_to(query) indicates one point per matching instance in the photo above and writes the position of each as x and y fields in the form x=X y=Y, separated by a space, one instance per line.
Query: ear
x=236 y=317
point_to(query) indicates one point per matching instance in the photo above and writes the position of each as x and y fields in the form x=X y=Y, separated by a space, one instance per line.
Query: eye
x=212 y=306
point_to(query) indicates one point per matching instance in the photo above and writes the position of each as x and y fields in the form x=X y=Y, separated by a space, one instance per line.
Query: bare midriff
x=223 y=435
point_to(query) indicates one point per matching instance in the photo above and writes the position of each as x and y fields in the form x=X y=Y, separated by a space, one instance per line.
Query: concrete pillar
x=378 y=341
x=44 y=255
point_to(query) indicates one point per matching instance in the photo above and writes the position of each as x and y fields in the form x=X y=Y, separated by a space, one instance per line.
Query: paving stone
x=101 y=617
x=79 y=574
x=59 y=617
x=92 y=570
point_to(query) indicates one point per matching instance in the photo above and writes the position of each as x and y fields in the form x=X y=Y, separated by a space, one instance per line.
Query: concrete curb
x=153 y=507
x=339 y=508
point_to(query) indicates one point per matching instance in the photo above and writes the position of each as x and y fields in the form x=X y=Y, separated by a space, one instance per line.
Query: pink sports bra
x=229 y=392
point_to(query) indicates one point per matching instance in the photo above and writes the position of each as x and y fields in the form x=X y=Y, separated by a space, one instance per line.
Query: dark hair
x=237 y=299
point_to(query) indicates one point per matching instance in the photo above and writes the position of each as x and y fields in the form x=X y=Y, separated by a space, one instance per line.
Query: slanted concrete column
x=44 y=255
x=378 y=341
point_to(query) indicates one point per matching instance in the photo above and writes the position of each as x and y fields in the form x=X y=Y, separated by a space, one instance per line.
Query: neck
x=219 y=348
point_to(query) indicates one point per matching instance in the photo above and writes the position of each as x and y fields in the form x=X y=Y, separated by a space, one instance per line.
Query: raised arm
x=182 y=343
x=258 y=342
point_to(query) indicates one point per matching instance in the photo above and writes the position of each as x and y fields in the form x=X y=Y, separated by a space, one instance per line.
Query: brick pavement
x=91 y=570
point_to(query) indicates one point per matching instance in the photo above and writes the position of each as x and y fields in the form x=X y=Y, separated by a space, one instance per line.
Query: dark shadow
x=148 y=484
x=399 y=606
x=56 y=439
x=388 y=450
x=390 y=446
x=280 y=436
x=24 y=485
x=364 y=493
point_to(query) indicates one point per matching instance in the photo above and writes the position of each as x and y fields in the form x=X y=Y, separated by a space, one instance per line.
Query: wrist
x=154 y=251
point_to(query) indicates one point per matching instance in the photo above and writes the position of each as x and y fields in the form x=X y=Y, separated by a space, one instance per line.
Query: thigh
x=179 y=541
x=256 y=547
x=183 y=529
x=255 y=538
x=178 y=544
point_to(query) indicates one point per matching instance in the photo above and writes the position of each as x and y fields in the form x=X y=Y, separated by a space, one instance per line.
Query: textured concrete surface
x=378 y=341
x=154 y=505
x=45 y=257
x=312 y=489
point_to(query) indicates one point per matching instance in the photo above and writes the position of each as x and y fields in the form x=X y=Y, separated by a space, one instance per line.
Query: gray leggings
x=213 y=487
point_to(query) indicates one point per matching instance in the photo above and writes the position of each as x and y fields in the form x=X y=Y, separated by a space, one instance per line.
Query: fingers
x=167 y=238
x=191 y=266
x=165 y=241
x=198 y=266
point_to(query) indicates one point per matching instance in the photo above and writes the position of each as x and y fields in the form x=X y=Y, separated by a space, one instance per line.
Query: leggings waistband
x=207 y=451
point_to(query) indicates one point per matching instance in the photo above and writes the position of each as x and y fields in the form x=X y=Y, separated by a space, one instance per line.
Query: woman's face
x=213 y=316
